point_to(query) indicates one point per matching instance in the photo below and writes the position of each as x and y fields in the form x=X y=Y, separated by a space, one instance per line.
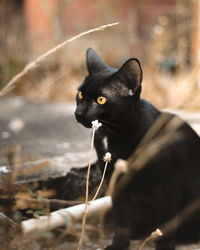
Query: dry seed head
x=96 y=124
x=156 y=233
x=107 y=157
x=121 y=165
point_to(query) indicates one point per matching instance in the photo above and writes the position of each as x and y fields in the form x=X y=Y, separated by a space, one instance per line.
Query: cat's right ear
x=130 y=73
x=94 y=62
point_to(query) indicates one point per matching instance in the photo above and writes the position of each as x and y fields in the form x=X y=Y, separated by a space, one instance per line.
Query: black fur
x=168 y=182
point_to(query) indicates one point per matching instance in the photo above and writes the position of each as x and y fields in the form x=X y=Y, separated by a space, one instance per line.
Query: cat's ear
x=131 y=73
x=94 y=62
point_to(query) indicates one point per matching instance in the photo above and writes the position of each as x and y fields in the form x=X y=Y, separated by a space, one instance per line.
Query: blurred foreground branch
x=35 y=63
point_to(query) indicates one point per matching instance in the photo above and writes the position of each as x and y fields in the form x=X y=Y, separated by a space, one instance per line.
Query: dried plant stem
x=87 y=192
x=120 y=168
x=154 y=235
x=167 y=132
x=144 y=242
x=41 y=58
x=113 y=182
x=102 y=179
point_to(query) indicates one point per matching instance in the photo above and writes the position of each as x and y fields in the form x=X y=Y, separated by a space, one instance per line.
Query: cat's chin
x=87 y=124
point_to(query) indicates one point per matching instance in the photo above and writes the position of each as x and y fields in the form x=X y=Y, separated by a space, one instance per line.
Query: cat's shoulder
x=146 y=106
x=151 y=113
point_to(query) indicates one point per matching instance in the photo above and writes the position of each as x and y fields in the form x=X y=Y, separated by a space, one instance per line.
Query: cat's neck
x=145 y=114
x=126 y=138
x=138 y=122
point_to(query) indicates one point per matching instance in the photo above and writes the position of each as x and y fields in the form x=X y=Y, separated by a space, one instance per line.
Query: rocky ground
x=44 y=144
x=48 y=141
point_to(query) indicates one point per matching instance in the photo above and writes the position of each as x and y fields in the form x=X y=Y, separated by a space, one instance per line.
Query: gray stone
x=49 y=140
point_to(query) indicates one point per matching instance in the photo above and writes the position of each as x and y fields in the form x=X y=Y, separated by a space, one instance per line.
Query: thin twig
x=102 y=179
x=43 y=200
x=41 y=58
x=153 y=235
x=87 y=192
x=107 y=159
x=120 y=168
x=164 y=135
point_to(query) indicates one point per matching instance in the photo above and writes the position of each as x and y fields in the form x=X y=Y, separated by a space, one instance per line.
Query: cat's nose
x=81 y=112
x=79 y=115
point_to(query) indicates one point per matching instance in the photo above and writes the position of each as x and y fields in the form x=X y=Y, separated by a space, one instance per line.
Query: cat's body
x=168 y=182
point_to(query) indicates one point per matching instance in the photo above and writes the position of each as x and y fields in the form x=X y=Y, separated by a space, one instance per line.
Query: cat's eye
x=101 y=100
x=80 y=95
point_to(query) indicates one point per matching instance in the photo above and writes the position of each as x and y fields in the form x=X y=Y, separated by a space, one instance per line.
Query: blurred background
x=40 y=141
x=163 y=35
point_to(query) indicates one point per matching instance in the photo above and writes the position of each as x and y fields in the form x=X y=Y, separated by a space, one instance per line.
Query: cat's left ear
x=94 y=62
x=130 y=73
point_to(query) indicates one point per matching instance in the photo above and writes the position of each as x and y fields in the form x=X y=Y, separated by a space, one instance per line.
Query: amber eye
x=80 y=95
x=101 y=100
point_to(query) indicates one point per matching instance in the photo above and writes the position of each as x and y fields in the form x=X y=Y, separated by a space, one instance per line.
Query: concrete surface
x=47 y=134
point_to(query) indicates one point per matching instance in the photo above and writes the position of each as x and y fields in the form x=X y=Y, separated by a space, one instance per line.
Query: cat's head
x=107 y=94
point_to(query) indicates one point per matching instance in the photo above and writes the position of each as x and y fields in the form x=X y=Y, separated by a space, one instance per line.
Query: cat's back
x=166 y=123
x=168 y=171
x=169 y=150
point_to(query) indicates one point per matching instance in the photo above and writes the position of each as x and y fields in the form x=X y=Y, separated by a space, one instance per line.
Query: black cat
x=168 y=182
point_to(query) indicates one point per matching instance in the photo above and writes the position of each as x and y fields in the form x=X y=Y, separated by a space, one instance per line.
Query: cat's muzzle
x=81 y=119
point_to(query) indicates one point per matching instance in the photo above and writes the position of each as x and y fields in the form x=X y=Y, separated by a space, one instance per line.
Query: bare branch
x=41 y=58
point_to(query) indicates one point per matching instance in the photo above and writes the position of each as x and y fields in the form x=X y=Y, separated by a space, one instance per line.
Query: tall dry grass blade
x=120 y=168
x=11 y=84
x=107 y=159
x=95 y=125
x=154 y=235
x=87 y=193
x=101 y=182
x=183 y=215
x=160 y=136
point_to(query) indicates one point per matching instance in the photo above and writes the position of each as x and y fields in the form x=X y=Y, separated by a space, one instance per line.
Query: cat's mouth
x=88 y=122
x=105 y=124
x=84 y=122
